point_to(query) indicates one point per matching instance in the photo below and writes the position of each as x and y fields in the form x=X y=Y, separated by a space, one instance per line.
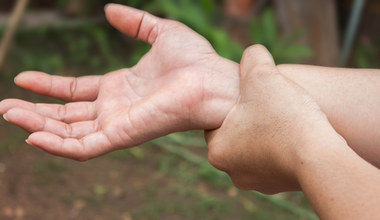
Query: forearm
x=351 y=100
x=338 y=183
x=349 y=97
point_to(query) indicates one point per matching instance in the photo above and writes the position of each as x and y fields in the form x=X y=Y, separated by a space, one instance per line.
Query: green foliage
x=204 y=16
x=60 y=4
x=95 y=49
x=366 y=55
x=201 y=16
x=121 y=155
x=134 y=3
x=86 y=47
x=165 y=163
x=284 y=50
x=139 y=51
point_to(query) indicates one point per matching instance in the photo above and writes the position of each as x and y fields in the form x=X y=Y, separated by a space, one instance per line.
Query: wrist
x=221 y=92
x=320 y=151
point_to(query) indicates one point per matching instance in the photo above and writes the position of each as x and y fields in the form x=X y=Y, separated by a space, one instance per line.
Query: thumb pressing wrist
x=257 y=65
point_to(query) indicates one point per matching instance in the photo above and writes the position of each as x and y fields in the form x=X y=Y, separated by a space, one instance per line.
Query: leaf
x=297 y=51
x=269 y=26
x=257 y=33
x=208 y=6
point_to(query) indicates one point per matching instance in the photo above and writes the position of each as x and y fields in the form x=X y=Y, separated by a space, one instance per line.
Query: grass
x=49 y=170
x=219 y=179
x=196 y=206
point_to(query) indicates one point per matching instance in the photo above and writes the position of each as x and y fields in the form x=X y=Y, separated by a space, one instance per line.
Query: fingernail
x=5 y=117
x=27 y=141
x=107 y=5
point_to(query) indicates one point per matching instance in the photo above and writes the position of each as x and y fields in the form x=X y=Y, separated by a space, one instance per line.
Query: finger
x=33 y=122
x=133 y=22
x=65 y=88
x=68 y=113
x=83 y=149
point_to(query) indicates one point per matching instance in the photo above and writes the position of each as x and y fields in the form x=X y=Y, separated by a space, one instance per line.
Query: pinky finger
x=90 y=146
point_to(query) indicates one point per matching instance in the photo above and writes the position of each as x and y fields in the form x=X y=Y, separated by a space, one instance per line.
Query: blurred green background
x=168 y=178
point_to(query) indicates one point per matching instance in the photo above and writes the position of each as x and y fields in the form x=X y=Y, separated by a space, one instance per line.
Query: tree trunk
x=14 y=22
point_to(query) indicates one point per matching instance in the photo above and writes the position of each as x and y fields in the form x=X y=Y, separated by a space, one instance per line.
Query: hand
x=180 y=84
x=275 y=121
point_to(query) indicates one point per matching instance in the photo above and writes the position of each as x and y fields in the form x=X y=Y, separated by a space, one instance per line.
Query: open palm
x=180 y=84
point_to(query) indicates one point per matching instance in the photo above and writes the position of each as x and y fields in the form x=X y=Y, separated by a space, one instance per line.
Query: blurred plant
x=366 y=54
x=202 y=16
x=88 y=48
x=284 y=50
x=62 y=49
x=134 y=3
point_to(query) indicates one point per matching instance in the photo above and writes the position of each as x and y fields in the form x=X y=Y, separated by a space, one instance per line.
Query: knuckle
x=253 y=50
x=238 y=182
x=217 y=157
x=61 y=112
x=73 y=88
x=69 y=130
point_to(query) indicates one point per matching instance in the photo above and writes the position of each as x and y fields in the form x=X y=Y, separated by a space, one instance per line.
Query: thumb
x=255 y=58
x=256 y=65
x=133 y=22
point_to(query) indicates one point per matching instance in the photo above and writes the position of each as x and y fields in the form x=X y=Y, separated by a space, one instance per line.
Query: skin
x=276 y=138
x=165 y=92
x=180 y=84
x=350 y=99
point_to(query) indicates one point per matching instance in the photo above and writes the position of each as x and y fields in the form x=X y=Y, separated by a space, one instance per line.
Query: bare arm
x=276 y=138
x=351 y=100
x=338 y=183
